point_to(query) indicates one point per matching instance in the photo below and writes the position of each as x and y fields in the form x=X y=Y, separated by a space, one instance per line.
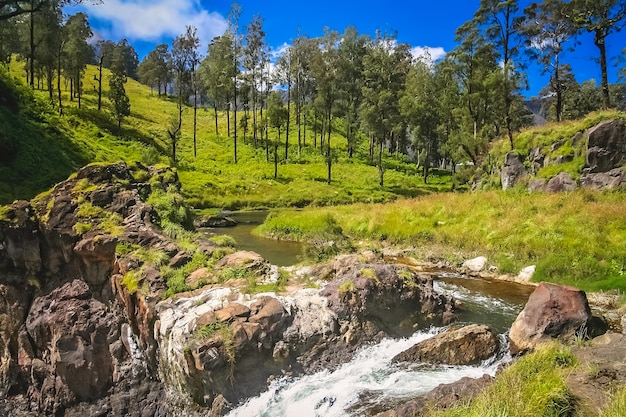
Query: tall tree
x=183 y=48
x=303 y=49
x=155 y=69
x=549 y=29
x=351 y=52
x=125 y=55
x=501 y=22
x=118 y=97
x=233 y=28
x=324 y=67
x=253 y=64
x=420 y=104
x=284 y=76
x=601 y=18
x=476 y=70
x=78 y=52
x=277 y=115
x=217 y=72
x=384 y=76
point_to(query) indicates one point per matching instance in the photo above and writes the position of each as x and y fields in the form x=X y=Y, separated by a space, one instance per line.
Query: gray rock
x=562 y=182
x=607 y=147
x=512 y=171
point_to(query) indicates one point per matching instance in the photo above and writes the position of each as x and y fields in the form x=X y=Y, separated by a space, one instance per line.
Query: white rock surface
x=476 y=264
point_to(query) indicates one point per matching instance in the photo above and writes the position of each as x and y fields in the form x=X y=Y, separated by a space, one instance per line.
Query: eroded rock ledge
x=87 y=329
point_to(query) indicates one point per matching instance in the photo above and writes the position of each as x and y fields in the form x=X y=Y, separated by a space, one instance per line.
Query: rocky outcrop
x=469 y=345
x=606 y=156
x=75 y=339
x=237 y=342
x=442 y=397
x=606 y=148
x=512 y=171
x=90 y=324
x=552 y=312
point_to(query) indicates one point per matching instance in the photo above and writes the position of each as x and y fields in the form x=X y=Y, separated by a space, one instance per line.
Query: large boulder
x=607 y=147
x=615 y=178
x=552 y=312
x=512 y=171
x=469 y=345
x=561 y=182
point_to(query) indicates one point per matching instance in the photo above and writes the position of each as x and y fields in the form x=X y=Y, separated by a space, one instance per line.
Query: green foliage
x=81 y=228
x=224 y=241
x=102 y=219
x=532 y=386
x=346 y=287
x=176 y=277
x=577 y=239
x=131 y=280
x=617 y=406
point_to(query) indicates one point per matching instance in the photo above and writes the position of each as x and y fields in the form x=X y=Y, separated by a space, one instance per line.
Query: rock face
x=512 y=171
x=552 y=312
x=606 y=156
x=86 y=327
x=444 y=396
x=607 y=147
x=469 y=345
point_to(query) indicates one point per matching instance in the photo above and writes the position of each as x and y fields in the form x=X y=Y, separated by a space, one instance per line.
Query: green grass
x=534 y=386
x=617 y=406
x=576 y=238
x=57 y=146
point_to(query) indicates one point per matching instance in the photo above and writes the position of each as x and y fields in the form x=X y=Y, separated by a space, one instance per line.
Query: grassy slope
x=577 y=238
x=211 y=179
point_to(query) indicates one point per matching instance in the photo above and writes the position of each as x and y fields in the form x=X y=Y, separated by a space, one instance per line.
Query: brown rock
x=466 y=346
x=552 y=311
x=242 y=259
x=232 y=312
x=269 y=313
x=562 y=182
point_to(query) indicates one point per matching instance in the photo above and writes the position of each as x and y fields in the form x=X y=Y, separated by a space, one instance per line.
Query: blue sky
x=422 y=24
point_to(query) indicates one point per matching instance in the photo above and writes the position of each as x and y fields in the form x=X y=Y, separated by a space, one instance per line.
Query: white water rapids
x=370 y=379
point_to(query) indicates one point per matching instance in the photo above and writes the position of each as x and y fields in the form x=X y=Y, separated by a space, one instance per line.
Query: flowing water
x=361 y=386
x=277 y=252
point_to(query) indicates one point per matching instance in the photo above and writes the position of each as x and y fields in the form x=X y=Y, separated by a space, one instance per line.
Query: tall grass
x=577 y=238
x=534 y=386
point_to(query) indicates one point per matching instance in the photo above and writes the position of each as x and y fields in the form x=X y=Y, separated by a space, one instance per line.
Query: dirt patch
x=601 y=370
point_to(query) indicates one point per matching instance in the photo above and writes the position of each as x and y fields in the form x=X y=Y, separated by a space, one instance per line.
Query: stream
x=370 y=382
x=277 y=252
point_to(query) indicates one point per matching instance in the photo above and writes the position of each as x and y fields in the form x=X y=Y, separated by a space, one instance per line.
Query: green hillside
x=47 y=148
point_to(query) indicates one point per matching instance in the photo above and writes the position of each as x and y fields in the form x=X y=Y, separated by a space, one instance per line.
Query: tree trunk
x=381 y=170
x=215 y=113
x=329 y=160
x=31 y=42
x=235 y=124
x=288 y=121
x=228 y=119
x=100 y=83
x=276 y=155
x=59 y=80
x=599 y=41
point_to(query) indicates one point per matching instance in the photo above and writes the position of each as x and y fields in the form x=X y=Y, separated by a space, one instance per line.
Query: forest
x=438 y=113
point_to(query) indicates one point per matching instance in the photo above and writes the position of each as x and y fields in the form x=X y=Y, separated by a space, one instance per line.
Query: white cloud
x=434 y=53
x=279 y=51
x=153 y=20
